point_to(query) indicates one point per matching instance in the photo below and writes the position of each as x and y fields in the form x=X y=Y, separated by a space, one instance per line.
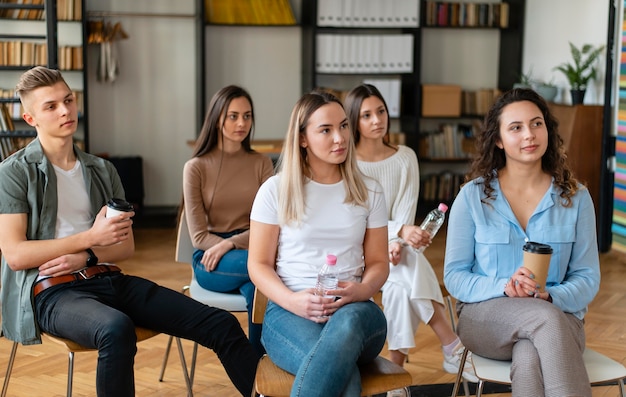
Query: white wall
x=149 y=110
x=550 y=25
x=266 y=61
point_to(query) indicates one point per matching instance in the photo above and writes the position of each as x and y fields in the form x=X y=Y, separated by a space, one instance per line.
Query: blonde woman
x=319 y=204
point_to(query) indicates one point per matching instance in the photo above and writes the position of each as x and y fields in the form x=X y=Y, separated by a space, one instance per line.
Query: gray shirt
x=28 y=185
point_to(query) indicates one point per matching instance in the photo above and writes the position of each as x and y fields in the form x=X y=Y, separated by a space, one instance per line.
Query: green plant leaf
x=581 y=70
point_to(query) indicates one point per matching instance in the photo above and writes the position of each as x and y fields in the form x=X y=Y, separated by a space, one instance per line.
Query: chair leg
x=620 y=384
x=194 y=358
x=70 y=372
x=183 y=364
x=466 y=388
x=479 y=388
x=166 y=356
x=5 y=386
x=459 y=375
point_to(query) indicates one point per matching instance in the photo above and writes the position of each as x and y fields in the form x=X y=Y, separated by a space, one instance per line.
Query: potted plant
x=581 y=70
x=547 y=90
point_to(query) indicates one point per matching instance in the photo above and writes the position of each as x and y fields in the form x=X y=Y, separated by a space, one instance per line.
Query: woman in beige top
x=220 y=182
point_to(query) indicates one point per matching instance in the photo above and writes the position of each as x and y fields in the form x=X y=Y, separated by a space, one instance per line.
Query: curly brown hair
x=490 y=158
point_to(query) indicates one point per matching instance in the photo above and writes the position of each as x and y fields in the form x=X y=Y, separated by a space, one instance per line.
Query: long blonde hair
x=293 y=163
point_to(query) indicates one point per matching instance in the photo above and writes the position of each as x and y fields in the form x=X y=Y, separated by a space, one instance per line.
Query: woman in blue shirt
x=521 y=189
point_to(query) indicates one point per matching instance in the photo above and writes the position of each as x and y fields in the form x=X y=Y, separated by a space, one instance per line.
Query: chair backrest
x=184 y=247
x=232 y=302
x=258 y=307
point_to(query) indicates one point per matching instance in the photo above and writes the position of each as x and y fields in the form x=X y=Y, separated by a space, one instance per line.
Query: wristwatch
x=92 y=259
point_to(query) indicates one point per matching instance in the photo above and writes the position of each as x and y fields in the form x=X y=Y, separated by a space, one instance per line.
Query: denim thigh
x=324 y=357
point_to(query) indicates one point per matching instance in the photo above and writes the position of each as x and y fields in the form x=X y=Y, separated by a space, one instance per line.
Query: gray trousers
x=544 y=344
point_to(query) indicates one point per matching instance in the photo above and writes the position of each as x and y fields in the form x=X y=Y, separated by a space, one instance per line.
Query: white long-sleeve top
x=400 y=179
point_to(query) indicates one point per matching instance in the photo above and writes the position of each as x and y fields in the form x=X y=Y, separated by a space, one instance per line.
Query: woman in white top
x=319 y=204
x=412 y=291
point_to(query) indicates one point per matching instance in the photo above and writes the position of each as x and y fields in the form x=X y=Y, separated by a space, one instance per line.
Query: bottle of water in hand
x=433 y=222
x=327 y=277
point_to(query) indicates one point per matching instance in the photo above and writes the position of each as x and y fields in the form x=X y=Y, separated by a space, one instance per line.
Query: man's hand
x=108 y=231
x=64 y=264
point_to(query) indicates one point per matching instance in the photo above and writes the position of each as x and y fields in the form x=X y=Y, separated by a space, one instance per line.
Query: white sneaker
x=397 y=393
x=451 y=363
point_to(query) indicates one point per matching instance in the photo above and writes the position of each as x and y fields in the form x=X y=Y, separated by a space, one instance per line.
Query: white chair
x=600 y=368
x=232 y=302
x=452 y=315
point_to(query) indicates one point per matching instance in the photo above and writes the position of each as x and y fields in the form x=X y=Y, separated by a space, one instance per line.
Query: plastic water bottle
x=433 y=222
x=327 y=277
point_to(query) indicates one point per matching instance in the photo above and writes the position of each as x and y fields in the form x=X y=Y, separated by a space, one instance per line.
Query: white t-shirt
x=329 y=226
x=73 y=208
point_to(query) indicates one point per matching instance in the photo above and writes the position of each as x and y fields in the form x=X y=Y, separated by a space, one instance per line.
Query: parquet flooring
x=41 y=370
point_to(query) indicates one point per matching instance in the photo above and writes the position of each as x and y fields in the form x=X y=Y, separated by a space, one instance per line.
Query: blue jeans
x=231 y=275
x=102 y=313
x=325 y=357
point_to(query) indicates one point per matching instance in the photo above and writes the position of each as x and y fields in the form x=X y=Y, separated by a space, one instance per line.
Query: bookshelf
x=459 y=61
x=41 y=32
x=452 y=33
x=345 y=45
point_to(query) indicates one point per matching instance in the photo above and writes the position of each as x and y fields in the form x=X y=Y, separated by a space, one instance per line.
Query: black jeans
x=102 y=313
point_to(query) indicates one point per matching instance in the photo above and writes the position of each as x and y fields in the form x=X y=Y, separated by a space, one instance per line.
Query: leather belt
x=85 y=274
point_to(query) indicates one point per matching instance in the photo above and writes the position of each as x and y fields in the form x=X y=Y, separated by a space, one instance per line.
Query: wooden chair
x=600 y=369
x=379 y=376
x=232 y=302
x=72 y=347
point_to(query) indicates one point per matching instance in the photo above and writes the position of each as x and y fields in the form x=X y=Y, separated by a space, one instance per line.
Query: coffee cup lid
x=120 y=204
x=537 y=248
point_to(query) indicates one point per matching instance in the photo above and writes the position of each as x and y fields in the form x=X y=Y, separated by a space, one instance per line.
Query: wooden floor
x=41 y=370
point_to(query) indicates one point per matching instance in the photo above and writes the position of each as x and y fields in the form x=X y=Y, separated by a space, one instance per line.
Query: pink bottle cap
x=331 y=259
x=442 y=207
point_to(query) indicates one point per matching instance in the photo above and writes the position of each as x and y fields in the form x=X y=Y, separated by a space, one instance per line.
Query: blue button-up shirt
x=484 y=246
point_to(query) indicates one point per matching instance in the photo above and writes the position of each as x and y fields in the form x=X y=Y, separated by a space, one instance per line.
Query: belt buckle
x=83 y=274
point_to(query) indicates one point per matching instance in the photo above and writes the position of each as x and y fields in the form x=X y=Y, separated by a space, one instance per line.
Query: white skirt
x=407 y=298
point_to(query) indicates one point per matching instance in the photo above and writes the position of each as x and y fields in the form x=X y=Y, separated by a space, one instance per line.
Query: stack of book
x=31 y=53
x=23 y=53
x=448 y=142
x=364 y=53
x=71 y=57
x=67 y=10
x=478 y=102
x=249 y=12
x=441 y=187
x=439 y=13
x=368 y=13
x=9 y=141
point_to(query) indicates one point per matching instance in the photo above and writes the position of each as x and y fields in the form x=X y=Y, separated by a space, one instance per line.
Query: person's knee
x=550 y=317
x=117 y=332
x=365 y=317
